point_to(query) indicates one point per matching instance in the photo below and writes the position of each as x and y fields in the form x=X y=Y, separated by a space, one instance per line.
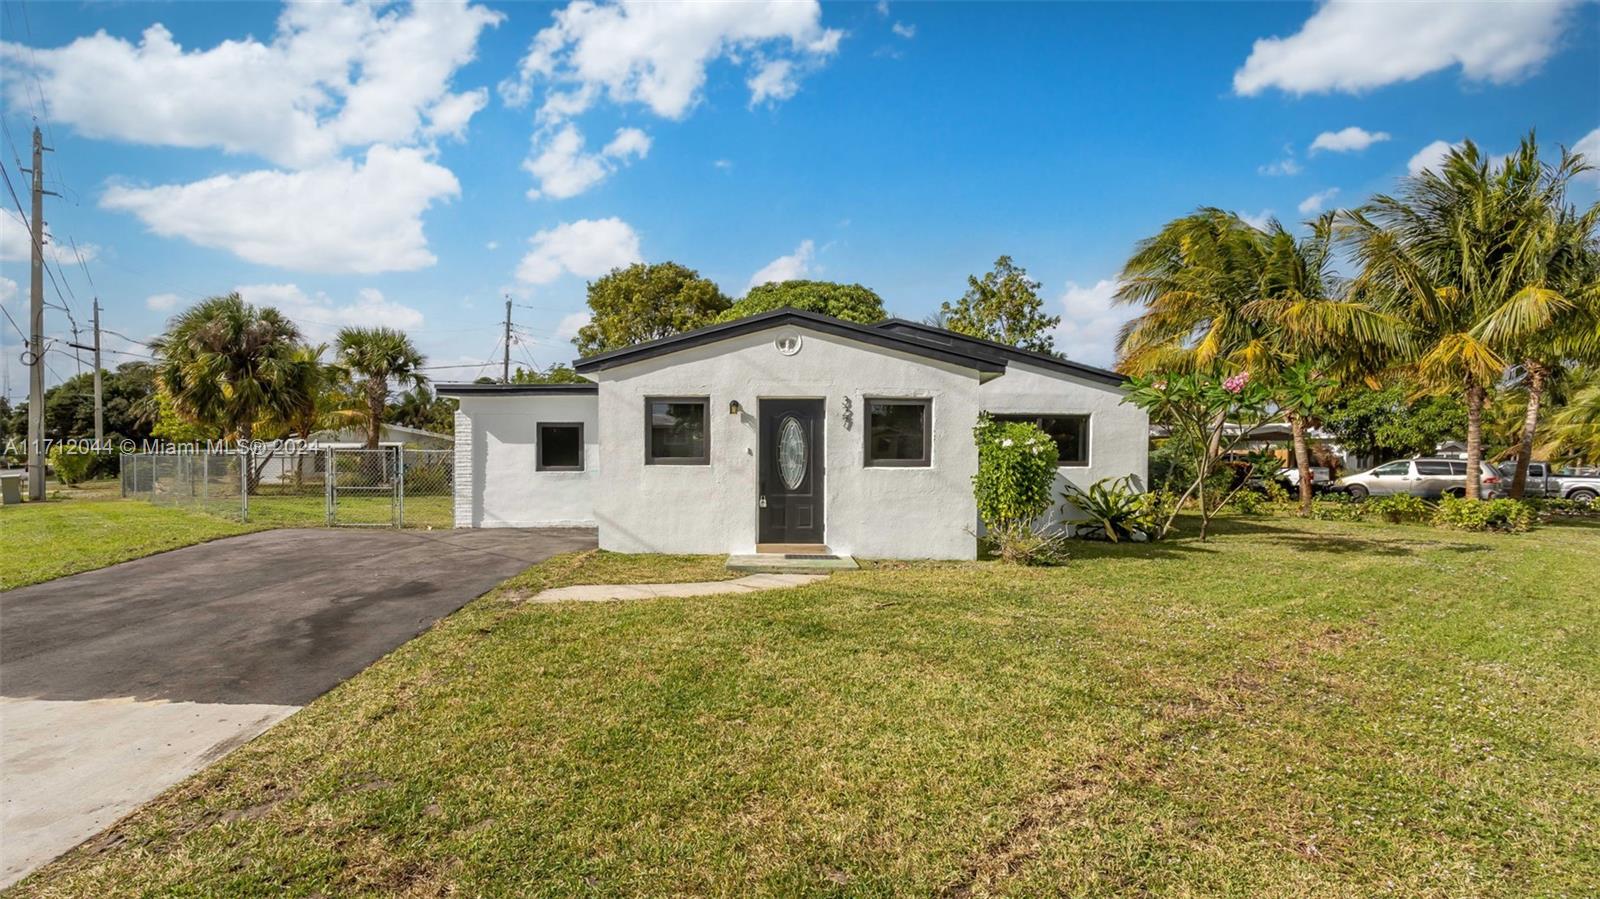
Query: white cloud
x=587 y=248
x=1589 y=146
x=565 y=168
x=161 y=302
x=341 y=217
x=1090 y=321
x=1259 y=220
x=1353 y=45
x=883 y=7
x=629 y=143
x=16 y=243
x=774 y=81
x=906 y=31
x=320 y=318
x=723 y=164
x=1284 y=166
x=1347 y=140
x=334 y=75
x=492 y=245
x=1430 y=156
x=8 y=291
x=786 y=268
x=656 y=54
x=570 y=323
x=1313 y=204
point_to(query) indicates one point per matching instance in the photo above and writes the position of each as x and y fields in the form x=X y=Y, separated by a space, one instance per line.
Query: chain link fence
x=302 y=487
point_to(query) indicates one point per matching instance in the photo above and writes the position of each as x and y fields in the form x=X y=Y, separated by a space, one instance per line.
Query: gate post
x=400 y=487
x=327 y=483
x=244 y=483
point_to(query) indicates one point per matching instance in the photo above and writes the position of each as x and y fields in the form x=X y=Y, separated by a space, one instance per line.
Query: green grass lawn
x=80 y=529
x=1293 y=709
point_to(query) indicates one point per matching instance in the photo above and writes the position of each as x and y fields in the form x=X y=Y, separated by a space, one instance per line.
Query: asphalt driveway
x=116 y=684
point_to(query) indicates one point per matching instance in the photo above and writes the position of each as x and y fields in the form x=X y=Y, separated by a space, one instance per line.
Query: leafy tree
x=1573 y=430
x=1389 y=423
x=643 y=302
x=379 y=357
x=317 y=399
x=557 y=373
x=1199 y=408
x=851 y=302
x=226 y=364
x=1002 y=306
x=1455 y=257
x=420 y=408
x=126 y=393
x=170 y=425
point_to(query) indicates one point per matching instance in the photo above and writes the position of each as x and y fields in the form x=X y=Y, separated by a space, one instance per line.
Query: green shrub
x=1014 y=487
x=1483 y=515
x=74 y=465
x=1337 y=507
x=1554 y=507
x=1114 y=510
x=1277 y=494
x=1249 y=502
x=1400 y=507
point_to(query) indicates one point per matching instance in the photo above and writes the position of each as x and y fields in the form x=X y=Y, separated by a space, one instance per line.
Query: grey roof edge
x=516 y=389
x=1006 y=352
x=870 y=334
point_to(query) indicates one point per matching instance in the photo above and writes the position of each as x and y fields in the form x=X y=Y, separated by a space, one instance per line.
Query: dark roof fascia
x=516 y=389
x=1003 y=352
x=827 y=324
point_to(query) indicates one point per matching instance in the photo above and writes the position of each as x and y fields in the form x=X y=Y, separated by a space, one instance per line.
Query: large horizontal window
x=675 y=431
x=1070 y=432
x=899 y=432
x=560 y=446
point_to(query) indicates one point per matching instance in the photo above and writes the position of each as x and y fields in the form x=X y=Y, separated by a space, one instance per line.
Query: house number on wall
x=848 y=414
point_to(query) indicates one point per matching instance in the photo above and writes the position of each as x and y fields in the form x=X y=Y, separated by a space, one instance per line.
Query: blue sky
x=385 y=164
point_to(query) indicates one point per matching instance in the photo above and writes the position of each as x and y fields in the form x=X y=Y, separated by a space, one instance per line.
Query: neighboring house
x=311 y=460
x=388 y=435
x=786 y=427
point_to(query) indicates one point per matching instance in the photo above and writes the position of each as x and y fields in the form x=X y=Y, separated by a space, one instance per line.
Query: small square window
x=676 y=431
x=1070 y=432
x=560 y=446
x=898 y=432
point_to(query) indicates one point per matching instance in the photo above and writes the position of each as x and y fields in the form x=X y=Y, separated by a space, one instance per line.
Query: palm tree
x=421 y=408
x=1454 y=252
x=380 y=356
x=1573 y=431
x=1221 y=293
x=1555 y=317
x=226 y=364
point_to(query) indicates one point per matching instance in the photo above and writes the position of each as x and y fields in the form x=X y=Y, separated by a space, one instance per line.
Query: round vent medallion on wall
x=788 y=344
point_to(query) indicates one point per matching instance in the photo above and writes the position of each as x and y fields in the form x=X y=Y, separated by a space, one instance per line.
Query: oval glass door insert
x=791 y=452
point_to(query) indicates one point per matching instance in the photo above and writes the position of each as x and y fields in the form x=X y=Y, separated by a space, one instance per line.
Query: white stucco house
x=787 y=431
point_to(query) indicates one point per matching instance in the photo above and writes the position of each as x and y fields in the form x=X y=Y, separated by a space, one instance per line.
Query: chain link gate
x=365 y=487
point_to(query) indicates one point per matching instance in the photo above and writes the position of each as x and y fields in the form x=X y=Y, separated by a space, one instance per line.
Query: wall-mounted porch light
x=734 y=408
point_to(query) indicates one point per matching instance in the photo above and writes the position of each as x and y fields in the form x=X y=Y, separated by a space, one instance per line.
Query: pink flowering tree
x=1210 y=416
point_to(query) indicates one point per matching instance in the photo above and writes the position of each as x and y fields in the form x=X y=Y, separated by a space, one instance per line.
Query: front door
x=791 y=471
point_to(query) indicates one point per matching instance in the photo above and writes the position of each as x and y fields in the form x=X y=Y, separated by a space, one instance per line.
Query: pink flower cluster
x=1236 y=383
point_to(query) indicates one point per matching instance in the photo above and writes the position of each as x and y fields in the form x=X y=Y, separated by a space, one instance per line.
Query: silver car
x=1428 y=478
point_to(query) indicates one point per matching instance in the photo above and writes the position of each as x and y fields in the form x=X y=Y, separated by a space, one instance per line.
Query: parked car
x=1545 y=480
x=1429 y=478
x=1321 y=478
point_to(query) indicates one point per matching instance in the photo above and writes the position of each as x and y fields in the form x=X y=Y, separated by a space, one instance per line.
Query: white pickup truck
x=1583 y=486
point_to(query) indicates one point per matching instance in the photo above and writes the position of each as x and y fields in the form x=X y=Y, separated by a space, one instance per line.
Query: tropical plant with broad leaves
x=1113 y=509
x=377 y=358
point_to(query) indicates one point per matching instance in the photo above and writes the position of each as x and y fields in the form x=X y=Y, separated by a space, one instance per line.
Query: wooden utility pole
x=36 y=329
x=99 y=401
x=505 y=364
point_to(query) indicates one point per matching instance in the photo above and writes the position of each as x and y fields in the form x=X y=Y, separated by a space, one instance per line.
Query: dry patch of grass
x=1293 y=709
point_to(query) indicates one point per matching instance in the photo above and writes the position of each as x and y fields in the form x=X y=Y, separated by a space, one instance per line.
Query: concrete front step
x=778 y=563
x=602 y=592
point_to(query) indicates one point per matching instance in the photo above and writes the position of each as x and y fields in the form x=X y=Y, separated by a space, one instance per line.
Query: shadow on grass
x=1390 y=541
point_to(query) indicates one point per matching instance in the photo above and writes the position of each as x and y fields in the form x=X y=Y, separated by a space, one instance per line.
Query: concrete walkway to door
x=119 y=683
